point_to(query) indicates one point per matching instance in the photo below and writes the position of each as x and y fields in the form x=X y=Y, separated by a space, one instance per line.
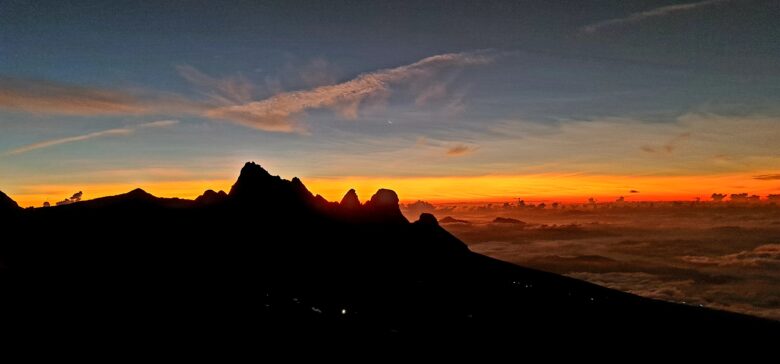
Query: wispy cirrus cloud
x=277 y=113
x=56 y=98
x=648 y=14
x=767 y=177
x=157 y=124
x=94 y=135
x=228 y=90
x=228 y=99
x=46 y=97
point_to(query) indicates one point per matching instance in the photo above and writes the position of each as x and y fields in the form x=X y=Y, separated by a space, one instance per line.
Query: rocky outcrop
x=350 y=200
x=383 y=206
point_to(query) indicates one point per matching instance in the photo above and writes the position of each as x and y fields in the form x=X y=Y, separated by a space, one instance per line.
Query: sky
x=438 y=100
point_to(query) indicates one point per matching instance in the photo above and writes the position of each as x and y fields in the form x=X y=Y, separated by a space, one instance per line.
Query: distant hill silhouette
x=452 y=220
x=270 y=257
x=210 y=197
x=507 y=220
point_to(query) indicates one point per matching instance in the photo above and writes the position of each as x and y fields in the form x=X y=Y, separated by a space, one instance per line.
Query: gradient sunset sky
x=439 y=100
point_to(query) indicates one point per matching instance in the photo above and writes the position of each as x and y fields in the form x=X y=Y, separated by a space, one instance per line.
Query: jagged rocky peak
x=253 y=170
x=350 y=200
x=252 y=179
x=255 y=186
x=300 y=188
x=6 y=203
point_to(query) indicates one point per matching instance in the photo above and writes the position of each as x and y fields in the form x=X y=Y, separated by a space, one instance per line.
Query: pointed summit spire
x=300 y=189
x=350 y=200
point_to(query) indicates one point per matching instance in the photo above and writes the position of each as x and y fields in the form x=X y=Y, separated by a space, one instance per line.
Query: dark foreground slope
x=269 y=258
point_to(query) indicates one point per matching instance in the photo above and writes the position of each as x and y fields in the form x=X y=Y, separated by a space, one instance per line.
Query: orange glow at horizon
x=547 y=187
x=489 y=188
x=36 y=195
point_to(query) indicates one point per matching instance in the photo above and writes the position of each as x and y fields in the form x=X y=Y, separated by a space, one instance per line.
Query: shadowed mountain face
x=271 y=257
x=7 y=204
x=350 y=200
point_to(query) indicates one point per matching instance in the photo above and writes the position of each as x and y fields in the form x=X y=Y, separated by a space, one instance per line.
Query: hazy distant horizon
x=467 y=190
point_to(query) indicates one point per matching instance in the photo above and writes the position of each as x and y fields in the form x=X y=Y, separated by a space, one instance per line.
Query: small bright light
x=343 y=311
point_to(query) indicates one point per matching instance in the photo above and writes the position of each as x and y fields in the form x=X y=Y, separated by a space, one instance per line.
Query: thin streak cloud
x=55 y=98
x=767 y=177
x=277 y=113
x=652 y=13
x=98 y=134
x=459 y=150
x=45 y=97
x=157 y=124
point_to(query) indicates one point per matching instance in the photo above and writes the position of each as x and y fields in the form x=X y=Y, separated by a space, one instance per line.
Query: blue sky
x=392 y=89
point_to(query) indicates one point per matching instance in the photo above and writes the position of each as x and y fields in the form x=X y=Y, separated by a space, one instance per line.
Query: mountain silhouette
x=211 y=197
x=507 y=220
x=271 y=258
x=350 y=200
x=452 y=220
x=7 y=204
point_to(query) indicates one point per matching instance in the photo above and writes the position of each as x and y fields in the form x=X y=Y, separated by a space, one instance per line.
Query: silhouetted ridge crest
x=132 y=198
x=383 y=206
x=274 y=258
x=428 y=219
x=300 y=189
x=256 y=188
x=140 y=194
x=350 y=200
x=7 y=204
x=211 y=197
x=135 y=199
x=384 y=198
x=252 y=180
